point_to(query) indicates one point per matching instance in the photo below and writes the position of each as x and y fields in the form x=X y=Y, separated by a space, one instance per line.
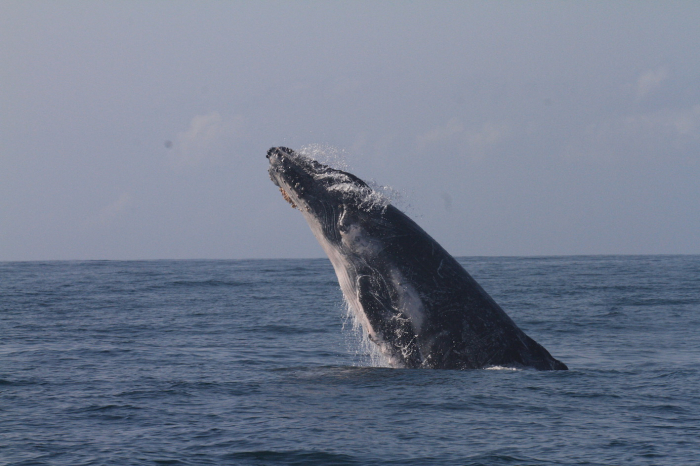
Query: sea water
x=257 y=363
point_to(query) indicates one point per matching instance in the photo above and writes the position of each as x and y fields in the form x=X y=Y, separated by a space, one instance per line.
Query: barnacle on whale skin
x=287 y=198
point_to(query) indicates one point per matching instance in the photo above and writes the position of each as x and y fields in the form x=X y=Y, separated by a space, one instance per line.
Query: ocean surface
x=256 y=363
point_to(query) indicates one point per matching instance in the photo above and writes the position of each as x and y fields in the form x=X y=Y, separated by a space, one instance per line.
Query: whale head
x=331 y=200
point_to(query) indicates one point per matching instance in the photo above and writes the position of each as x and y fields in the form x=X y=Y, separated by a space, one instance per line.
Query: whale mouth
x=287 y=198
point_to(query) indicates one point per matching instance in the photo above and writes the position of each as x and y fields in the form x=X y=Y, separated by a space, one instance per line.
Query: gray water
x=256 y=363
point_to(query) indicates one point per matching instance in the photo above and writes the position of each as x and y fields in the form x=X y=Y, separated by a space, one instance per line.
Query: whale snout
x=282 y=160
x=288 y=171
x=279 y=151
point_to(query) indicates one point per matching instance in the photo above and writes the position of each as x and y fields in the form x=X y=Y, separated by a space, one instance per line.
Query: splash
x=501 y=368
x=367 y=354
x=377 y=196
x=327 y=155
x=392 y=196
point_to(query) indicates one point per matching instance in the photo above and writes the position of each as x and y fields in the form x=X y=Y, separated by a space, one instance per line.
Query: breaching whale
x=414 y=300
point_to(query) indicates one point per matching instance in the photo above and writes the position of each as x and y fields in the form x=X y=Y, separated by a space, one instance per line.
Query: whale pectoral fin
x=375 y=300
x=378 y=301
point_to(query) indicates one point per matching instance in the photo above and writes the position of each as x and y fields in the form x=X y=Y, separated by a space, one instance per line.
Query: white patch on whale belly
x=410 y=303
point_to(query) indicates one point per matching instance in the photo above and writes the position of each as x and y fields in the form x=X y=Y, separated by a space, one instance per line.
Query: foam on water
x=502 y=368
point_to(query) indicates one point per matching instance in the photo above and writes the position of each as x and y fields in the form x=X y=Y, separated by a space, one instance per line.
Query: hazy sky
x=138 y=130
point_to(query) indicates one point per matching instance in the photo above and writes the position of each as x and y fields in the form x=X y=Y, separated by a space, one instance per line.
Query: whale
x=414 y=301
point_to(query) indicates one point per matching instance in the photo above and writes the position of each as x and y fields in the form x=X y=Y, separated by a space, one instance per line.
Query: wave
x=299 y=457
x=209 y=283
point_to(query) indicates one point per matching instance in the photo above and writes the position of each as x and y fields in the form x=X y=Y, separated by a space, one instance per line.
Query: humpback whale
x=414 y=300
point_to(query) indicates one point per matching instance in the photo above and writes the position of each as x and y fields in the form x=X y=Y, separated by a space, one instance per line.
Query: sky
x=138 y=130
